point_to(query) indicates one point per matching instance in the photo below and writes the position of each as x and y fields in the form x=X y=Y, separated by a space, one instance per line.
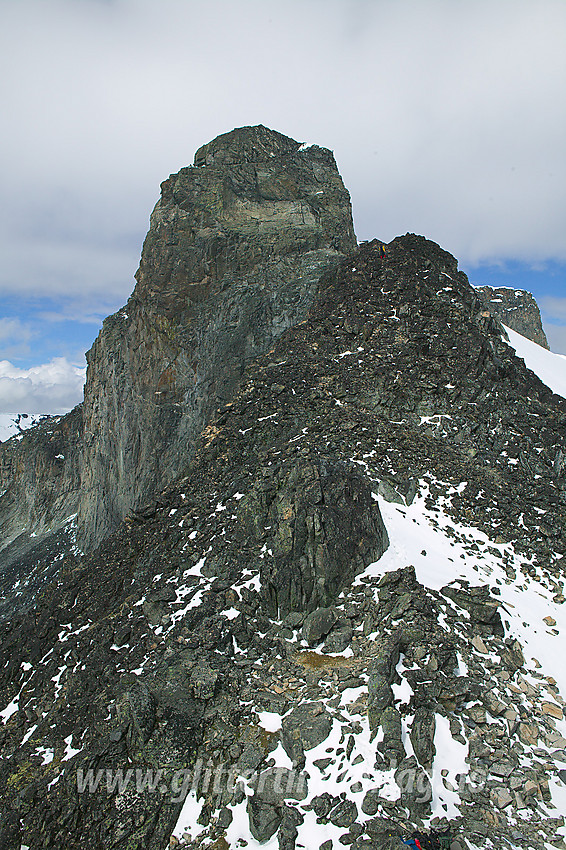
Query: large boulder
x=277 y=784
x=324 y=528
x=481 y=606
x=304 y=728
x=264 y=818
x=318 y=624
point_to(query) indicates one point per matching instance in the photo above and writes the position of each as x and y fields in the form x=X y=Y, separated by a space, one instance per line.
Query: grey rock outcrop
x=517 y=309
x=317 y=625
x=323 y=527
x=232 y=258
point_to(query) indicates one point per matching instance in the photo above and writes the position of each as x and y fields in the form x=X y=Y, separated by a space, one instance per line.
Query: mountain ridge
x=267 y=468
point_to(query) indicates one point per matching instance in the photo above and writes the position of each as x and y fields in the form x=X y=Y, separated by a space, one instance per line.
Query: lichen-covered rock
x=264 y=818
x=339 y=638
x=482 y=607
x=371 y=802
x=137 y=709
x=317 y=625
x=288 y=832
x=415 y=785
x=304 y=728
x=391 y=744
x=422 y=736
x=344 y=814
x=203 y=682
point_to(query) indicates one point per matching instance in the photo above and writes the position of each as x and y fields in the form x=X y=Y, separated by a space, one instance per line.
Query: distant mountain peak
x=517 y=309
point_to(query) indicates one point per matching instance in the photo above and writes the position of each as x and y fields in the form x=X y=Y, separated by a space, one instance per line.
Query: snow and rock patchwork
x=341 y=625
x=12 y=424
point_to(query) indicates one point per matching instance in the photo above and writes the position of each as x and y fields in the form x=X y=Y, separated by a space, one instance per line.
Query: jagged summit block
x=245 y=144
x=233 y=257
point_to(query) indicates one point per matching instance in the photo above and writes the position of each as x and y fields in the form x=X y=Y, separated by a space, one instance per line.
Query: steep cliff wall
x=39 y=477
x=517 y=309
x=236 y=246
x=39 y=494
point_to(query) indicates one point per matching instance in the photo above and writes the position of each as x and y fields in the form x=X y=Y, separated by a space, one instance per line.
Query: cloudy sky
x=446 y=118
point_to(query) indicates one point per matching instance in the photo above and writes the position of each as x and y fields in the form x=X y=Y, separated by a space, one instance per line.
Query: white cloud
x=445 y=119
x=13 y=329
x=14 y=337
x=53 y=387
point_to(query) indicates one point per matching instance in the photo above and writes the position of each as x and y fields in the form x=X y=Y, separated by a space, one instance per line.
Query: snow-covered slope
x=535 y=613
x=15 y=423
x=444 y=553
x=550 y=367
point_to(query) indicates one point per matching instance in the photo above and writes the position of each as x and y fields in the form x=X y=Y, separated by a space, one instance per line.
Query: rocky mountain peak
x=232 y=259
x=245 y=144
x=517 y=309
x=424 y=251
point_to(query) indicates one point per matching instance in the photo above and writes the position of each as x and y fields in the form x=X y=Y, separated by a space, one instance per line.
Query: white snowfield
x=550 y=367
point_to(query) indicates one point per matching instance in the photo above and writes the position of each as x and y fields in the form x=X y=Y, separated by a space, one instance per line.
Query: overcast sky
x=446 y=118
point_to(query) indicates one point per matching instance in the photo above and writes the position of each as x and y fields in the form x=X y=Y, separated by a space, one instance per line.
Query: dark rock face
x=305 y=728
x=517 y=309
x=323 y=527
x=233 y=256
x=317 y=625
x=264 y=819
